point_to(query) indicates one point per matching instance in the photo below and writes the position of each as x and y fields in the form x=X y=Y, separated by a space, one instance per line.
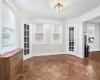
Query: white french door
x=26 y=38
x=72 y=38
x=91 y=36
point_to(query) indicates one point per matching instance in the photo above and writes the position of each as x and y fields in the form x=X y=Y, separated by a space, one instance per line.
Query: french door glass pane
x=25 y=45
x=71 y=39
x=27 y=33
x=26 y=39
x=25 y=27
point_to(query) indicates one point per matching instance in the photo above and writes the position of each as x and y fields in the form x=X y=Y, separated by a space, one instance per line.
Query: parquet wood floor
x=62 y=67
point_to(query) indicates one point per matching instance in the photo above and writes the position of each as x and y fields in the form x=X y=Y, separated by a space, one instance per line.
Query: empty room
x=49 y=40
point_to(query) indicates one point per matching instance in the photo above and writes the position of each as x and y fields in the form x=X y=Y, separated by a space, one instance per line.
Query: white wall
x=96 y=45
x=48 y=47
x=79 y=52
x=19 y=16
x=40 y=48
x=55 y=48
x=90 y=15
x=79 y=21
x=36 y=48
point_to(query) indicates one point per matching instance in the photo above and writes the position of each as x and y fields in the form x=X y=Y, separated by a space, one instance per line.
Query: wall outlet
x=49 y=50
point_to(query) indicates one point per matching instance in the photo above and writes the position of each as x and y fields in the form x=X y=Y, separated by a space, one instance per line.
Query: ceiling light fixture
x=58 y=7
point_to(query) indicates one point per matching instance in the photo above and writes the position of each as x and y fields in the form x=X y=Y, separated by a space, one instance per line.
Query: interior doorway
x=92 y=35
x=72 y=38
x=26 y=38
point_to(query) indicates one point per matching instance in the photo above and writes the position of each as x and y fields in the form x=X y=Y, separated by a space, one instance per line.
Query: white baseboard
x=95 y=50
x=80 y=56
x=47 y=54
x=42 y=54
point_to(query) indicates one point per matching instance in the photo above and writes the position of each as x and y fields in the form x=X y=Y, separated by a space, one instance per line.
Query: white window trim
x=37 y=22
x=52 y=41
x=10 y=48
x=93 y=25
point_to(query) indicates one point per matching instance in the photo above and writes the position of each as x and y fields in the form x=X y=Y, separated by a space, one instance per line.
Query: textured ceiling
x=42 y=9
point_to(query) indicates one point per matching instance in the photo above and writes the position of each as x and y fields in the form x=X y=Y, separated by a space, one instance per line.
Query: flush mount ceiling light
x=58 y=5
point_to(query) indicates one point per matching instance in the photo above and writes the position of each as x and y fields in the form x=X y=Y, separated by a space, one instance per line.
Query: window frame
x=52 y=33
x=7 y=7
x=40 y=23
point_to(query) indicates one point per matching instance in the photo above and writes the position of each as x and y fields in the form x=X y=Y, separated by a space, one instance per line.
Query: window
x=39 y=33
x=90 y=33
x=91 y=30
x=56 y=33
x=7 y=27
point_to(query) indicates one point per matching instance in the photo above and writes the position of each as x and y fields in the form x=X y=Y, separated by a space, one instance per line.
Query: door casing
x=25 y=21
